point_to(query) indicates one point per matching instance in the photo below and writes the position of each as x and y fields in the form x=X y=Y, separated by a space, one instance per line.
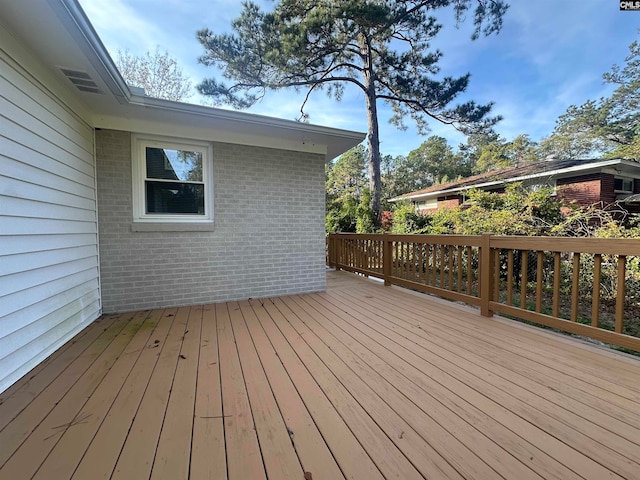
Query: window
x=172 y=180
x=623 y=185
x=427 y=204
x=537 y=184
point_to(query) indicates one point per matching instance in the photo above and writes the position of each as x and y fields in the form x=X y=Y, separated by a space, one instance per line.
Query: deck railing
x=585 y=286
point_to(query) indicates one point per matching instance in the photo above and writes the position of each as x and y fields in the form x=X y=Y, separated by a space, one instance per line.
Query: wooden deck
x=361 y=382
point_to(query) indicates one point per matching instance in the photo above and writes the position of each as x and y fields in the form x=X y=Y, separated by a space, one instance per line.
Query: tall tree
x=345 y=185
x=379 y=47
x=158 y=73
x=491 y=152
x=432 y=162
x=610 y=125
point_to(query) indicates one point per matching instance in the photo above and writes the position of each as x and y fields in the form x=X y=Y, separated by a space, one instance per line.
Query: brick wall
x=450 y=202
x=268 y=236
x=584 y=190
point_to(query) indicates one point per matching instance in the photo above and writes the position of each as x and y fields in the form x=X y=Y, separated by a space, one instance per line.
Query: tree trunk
x=373 y=145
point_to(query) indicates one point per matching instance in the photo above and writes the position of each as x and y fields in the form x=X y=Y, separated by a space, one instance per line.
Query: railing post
x=331 y=250
x=486 y=275
x=337 y=245
x=386 y=258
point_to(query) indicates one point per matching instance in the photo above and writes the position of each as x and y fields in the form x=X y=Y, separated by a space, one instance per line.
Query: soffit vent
x=81 y=80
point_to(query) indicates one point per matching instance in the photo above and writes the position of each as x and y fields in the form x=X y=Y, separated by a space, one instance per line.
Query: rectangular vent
x=82 y=88
x=82 y=80
x=75 y=74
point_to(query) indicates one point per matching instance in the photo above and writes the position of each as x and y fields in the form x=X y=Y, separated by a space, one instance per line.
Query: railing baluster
x=450 y=266
x=622 y=264
x=459 y=267
x=442 y=265
x=524 y=276
x=434 y=270
x=539 y=266
x=556 y=284
x=395 y=268
x=575 y=294
x=509 y=277
x=415 y=262
x=595 y=298
x=496 y=274
x=469 y=270
x=421 y=263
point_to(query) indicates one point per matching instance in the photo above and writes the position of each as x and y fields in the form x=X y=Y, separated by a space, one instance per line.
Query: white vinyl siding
x=49 y=278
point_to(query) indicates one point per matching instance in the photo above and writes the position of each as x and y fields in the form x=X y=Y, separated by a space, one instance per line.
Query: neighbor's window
x=538 y=184
x=623 y=185
x=172 y=180
x=426 y=204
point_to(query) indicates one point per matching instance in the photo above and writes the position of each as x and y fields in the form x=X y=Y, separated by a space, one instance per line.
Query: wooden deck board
x=208 y=459
x=359 y=382
x=103 y=451
x=70 y=447
x=139 y=448
x=306 y=437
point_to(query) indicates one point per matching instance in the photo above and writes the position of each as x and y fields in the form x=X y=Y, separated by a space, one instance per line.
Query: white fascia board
x=163 y=117
x=560 y=171
x=151 y=127
x=243 y=117
x=271 y=132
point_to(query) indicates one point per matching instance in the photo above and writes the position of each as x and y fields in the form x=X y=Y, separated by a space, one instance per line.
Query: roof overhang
x=60 y=35
x=617 y=166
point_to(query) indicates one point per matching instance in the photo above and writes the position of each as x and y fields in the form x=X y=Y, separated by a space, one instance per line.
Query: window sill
x=171 y=227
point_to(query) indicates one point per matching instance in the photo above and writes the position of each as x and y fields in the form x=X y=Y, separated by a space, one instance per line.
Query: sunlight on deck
x=362 y=381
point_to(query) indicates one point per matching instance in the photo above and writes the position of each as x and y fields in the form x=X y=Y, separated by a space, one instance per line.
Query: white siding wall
x=49 y=280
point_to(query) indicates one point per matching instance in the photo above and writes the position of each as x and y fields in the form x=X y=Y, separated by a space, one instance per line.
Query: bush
x=407 y=220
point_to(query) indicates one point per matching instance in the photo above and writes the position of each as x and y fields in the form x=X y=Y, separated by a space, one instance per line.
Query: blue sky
x=549 y=55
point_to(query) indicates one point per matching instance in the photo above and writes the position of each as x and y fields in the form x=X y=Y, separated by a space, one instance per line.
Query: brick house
x=581 y=182
x=113 y=201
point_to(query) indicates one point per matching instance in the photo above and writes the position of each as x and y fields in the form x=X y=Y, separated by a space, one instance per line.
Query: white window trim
x=138 y=165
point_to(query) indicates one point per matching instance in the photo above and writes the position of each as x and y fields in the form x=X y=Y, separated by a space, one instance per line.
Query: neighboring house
x=113 y=201
x=582 y=182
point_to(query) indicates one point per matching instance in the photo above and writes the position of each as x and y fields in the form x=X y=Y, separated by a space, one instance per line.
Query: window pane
x=175 y=198
x=171 y=164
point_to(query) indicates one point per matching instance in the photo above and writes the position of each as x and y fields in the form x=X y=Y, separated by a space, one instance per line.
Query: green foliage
x=491 y=152
x=609 y=125
x=407 y=220
x=346 y=176
x=348 y=198
x=365 y=217
x=432 y=162
x=517 y=211
x=342 y=215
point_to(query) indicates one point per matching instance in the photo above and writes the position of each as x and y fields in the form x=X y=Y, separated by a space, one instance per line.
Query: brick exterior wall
x=583 y=190
x=268 y=236
x=450 y=202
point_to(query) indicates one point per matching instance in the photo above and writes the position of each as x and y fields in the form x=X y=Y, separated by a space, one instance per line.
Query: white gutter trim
x=243 y=117
x=576 y=168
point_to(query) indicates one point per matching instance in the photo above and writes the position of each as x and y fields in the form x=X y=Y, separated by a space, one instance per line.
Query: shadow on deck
x=362 y=381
